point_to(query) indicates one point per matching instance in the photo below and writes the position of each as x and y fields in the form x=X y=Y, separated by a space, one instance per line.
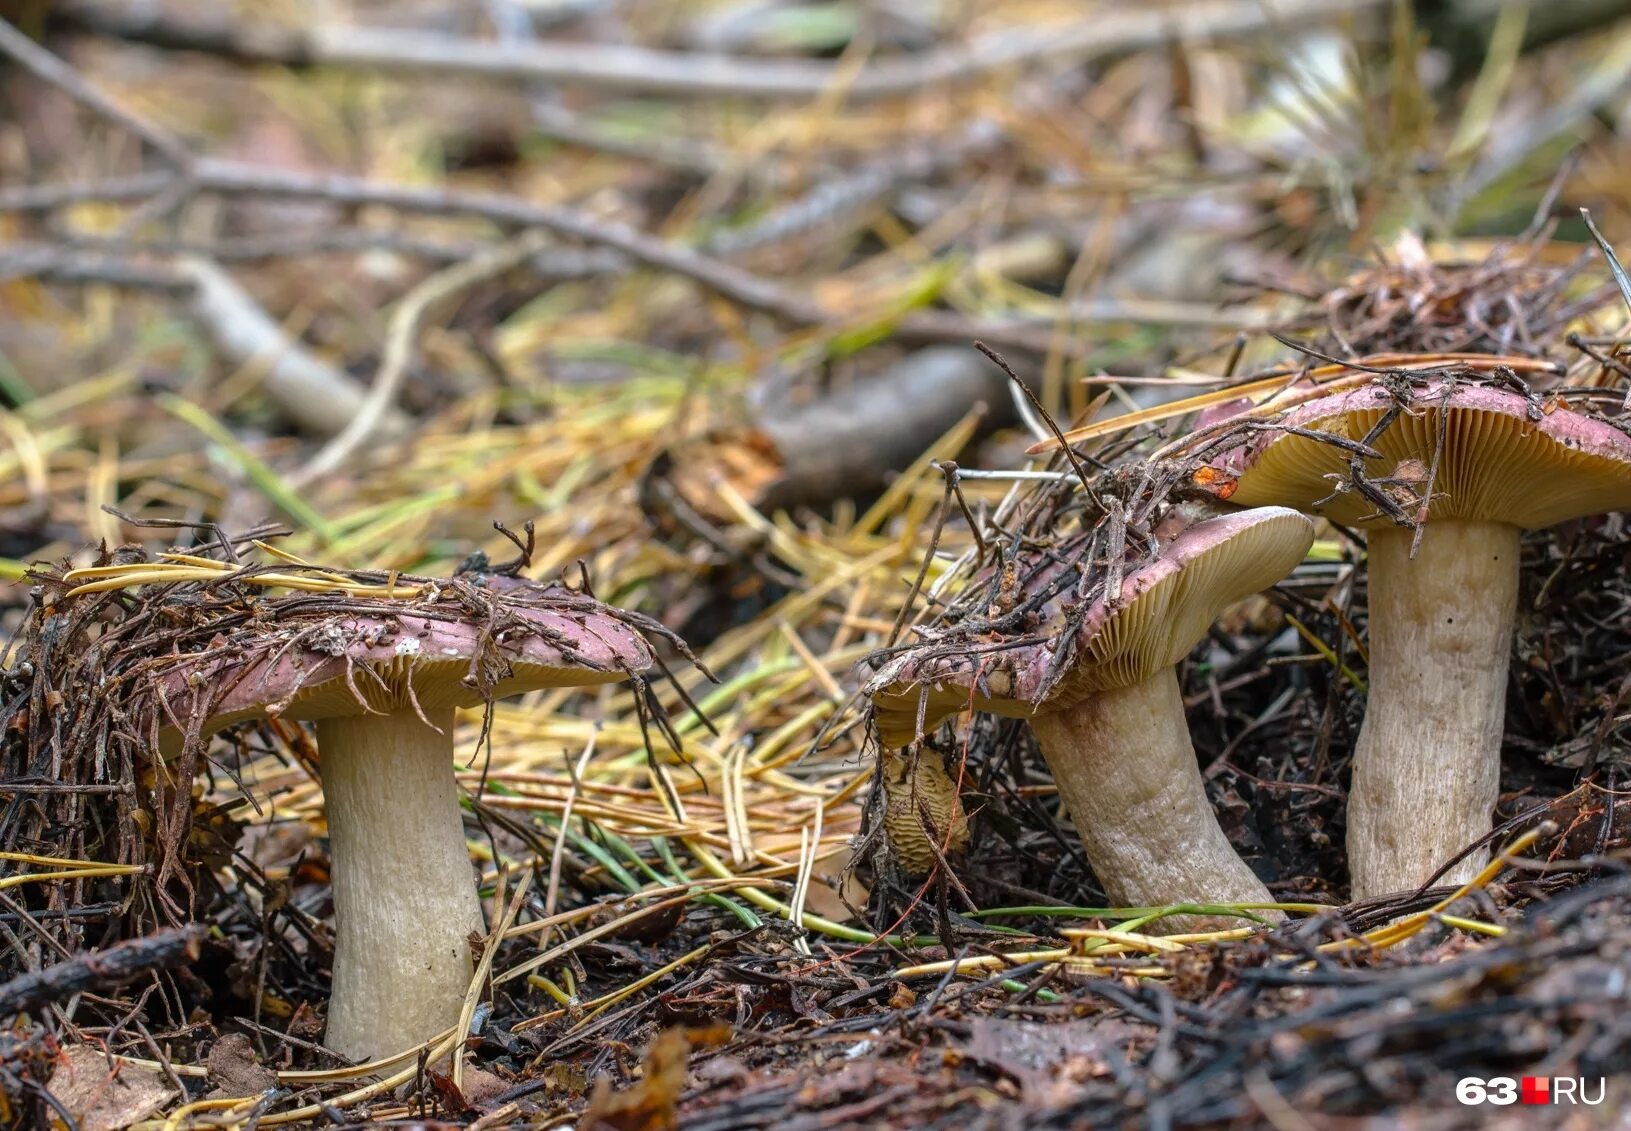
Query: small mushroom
x=382 y=681
x=923 y=813
x=1112 y=725
x=1478 y=465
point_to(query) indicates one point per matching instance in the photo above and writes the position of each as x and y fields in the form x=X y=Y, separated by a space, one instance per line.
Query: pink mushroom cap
x=382 y=661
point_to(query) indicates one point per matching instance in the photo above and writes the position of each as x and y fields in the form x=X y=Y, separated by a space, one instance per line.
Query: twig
x=239 y=178
x=930 y=327
x=59 y=74
x=844 y=198
x=114 y=190
x=243 y=179
x=551 y=263
x=850 y=442
x=1620 y=279
x=1036 y=405
x=685 y=154
x=399 y=346
x=311 y=393
x=227 y=177
x=78 y=268
x=96 y=969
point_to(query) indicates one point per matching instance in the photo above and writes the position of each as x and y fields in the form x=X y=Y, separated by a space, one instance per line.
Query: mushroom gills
x=923 y=815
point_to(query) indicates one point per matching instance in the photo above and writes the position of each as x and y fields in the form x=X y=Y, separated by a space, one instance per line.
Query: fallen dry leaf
x=235 y=1070
x=1048 y=1061
x=649 y=1105
x=101 y=1097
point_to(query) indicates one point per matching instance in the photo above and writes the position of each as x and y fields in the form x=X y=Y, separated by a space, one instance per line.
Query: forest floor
x=700 y=337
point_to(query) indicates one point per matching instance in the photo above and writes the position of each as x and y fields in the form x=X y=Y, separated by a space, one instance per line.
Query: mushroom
x=923 y=815
x=1478 y=465
x=382 y=680
x=1111 y=725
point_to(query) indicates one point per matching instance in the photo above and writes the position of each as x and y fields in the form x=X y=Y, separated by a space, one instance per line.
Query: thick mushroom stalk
x=405 y=902
x=1427 y=765
x=1127 y=771
x=1477 y=464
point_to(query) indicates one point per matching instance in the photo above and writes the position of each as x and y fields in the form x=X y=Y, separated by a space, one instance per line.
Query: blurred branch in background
x=677 y=74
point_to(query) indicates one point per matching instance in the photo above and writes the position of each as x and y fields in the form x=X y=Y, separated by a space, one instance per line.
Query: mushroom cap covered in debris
x=1454 y=451
x=1163 y=606
x=378 y=656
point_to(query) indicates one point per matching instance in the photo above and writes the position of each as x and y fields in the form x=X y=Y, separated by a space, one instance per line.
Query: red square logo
x=1536 y=1090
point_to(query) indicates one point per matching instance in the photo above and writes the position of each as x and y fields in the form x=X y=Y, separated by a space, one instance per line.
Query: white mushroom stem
x=1127 y=771
x=1428 y=761
x=405 y=899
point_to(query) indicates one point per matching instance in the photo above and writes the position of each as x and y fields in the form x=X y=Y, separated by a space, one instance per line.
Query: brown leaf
x=477 y=1092
x=305 y=1022
x=482 y=1087
x=1049 y=1061
x=235 y=1070
x=103 y=1098
x=650 y=1104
